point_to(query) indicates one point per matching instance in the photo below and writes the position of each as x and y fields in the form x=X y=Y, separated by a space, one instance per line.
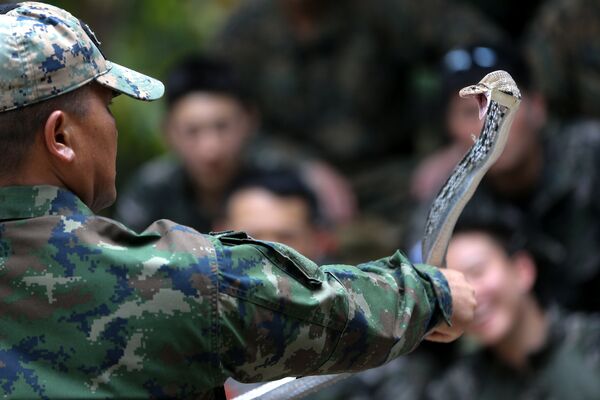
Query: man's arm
x=294 y=318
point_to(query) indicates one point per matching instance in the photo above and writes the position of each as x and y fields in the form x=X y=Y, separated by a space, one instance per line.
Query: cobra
x=498 y=97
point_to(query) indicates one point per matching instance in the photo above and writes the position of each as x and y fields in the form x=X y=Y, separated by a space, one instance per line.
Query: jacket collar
x=20 y=202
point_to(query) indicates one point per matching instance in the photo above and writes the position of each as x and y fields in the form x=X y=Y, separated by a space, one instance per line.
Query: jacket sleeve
x=282 y=315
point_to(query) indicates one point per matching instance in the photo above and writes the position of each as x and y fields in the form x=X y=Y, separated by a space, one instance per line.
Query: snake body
x=499 y=99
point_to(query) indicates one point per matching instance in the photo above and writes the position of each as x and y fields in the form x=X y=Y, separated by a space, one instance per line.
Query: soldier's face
x=208 y=132
x=266 y=216
x=97 y=150
x=500 y=287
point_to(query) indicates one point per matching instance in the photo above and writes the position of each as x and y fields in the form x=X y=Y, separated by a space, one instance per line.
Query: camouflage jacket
x=91 y=309
x=566 y=368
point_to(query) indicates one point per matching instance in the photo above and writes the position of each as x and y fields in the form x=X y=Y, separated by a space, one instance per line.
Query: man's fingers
x=463 y=305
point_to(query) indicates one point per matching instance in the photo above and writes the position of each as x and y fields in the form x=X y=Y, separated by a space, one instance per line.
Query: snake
x=498 y=98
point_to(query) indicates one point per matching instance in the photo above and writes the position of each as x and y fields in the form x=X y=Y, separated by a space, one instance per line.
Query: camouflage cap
x=45 y=51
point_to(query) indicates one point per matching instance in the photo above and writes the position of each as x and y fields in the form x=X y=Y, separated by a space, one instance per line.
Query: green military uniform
x=567 y=367
x=92 y=309
x=348 y=95
x=564 y=51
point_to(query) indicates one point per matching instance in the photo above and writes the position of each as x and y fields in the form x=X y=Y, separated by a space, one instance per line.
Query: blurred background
x=151 y=35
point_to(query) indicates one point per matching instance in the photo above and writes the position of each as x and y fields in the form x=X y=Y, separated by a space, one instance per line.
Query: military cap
x=45 y=51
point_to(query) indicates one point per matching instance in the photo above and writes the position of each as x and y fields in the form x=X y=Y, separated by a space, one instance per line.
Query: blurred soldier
x=564 y=50
x=279 y=207
x=460 y=67
x=210 y=129
x=550 y=171
x=337 y=80
x=90 y=308
x=527 y=351
x=209 y=124
x=553 y=176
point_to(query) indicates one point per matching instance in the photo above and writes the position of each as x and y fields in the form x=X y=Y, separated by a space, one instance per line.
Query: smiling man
x=92 y=309
x=528 y=350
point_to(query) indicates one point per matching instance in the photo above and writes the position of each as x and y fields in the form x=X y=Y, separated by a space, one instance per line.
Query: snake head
x=498 y=86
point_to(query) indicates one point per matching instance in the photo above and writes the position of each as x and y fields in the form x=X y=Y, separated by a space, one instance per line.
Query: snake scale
x=498 y=97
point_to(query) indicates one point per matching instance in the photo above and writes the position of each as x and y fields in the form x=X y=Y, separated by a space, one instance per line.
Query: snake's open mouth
x=483 y=100
x=482 y=94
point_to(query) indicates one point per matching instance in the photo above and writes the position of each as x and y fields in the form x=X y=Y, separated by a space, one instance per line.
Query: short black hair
x=198 y=73
x=19 y=127
x=513 y=231
x=503 y=224
x=283 y=183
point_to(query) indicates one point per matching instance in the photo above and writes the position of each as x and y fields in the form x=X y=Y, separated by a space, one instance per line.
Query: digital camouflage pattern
x=45 y=51
x=91 y=309
x=567 y=367
x=564 y=51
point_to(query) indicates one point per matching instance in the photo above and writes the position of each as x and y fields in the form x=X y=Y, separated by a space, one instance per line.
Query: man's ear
x=58 y=138
x=526 y=270
x=253 y=116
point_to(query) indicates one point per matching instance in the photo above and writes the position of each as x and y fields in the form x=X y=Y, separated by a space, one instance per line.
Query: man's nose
x=209 y=144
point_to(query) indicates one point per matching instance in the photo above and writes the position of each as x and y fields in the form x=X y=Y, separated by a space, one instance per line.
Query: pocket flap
x=284 y=257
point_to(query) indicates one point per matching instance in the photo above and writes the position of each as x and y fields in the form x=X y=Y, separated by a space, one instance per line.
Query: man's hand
x=463 y=306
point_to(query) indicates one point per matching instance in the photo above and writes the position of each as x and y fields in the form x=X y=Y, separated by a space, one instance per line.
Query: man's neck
x=19 y=179
x=528 y=335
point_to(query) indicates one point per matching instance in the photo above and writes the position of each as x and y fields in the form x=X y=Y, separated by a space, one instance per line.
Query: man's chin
x=104 y=200
x=488 y=332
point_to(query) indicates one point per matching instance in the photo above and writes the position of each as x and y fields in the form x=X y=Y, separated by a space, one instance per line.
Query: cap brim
x=131 y=83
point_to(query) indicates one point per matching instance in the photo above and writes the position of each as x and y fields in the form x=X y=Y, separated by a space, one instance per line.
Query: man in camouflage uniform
x=527 y=351
x=340 y=80
x=92 y=309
